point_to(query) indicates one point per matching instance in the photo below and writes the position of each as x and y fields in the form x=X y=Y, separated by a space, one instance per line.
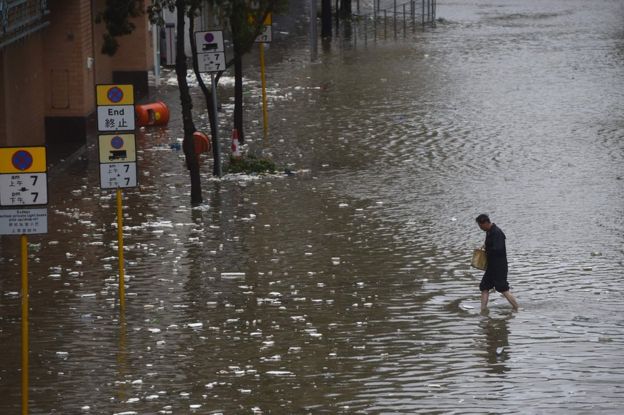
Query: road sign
x=115 y=94
x=115 y=117
x=114 y=175
x=210 y=51
x=266 y=36
x=23 y=189
x=23 y=221
x=209 y=42
x=211 y=62
x=117 y=148
x=23 y=160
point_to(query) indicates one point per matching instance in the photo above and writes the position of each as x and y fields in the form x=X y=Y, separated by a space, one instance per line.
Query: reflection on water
x=345 y=288
x=496 y=331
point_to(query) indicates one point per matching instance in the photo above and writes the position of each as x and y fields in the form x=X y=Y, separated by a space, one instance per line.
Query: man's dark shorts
x=496 y=280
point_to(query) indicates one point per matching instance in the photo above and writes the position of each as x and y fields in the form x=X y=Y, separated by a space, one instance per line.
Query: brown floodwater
x=345 y=286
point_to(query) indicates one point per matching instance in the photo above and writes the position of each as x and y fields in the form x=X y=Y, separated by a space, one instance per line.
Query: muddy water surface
x=345 y=287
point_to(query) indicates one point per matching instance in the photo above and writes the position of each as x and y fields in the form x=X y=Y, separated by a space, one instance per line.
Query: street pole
x=120 y=248
x=313 y=32
x=217 y=155
x=25 y=342
x=265 y=116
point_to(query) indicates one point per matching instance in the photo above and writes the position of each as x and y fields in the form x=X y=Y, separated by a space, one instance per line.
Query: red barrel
x=201 y=142
x=155 y=113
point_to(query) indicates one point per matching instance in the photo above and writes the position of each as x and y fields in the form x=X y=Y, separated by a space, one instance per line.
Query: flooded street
x=346 y=287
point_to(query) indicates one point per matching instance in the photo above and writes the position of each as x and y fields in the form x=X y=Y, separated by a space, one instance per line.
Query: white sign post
x=211 y=59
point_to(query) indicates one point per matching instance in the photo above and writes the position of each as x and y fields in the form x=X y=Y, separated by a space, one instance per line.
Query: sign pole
x=25 y=345
x=122 y=289
x=216 y=149
x=264 y=97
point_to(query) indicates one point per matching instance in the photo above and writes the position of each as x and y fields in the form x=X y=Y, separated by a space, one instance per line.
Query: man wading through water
x=496 y=272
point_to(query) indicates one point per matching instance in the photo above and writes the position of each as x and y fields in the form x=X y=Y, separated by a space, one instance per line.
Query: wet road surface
x=346 y=287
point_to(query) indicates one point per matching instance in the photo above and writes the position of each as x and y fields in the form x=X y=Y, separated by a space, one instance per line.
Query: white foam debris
x=335 y=260
x=91 y=295
x=343 y=205
x=232 y=275
x=280 y=373
x=195 y=325
x=85 y=408
x=195 y=406
x=127 y=412
x=132 y=400
x=154 y=330
x=137 y=382
x=151 y=397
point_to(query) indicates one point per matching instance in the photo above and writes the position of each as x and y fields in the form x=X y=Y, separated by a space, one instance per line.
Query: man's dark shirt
x=496 y=251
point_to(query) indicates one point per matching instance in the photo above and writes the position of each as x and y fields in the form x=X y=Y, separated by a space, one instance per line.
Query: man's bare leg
x=485 y=295
x=511 y=299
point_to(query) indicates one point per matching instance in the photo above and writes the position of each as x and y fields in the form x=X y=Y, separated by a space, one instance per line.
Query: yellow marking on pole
x=265 y=115
x=25 y=345
x=23 y=160
x=114 y=94
x=122 y=290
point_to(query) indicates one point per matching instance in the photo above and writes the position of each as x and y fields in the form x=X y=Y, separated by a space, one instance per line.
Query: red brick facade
x=48 y=78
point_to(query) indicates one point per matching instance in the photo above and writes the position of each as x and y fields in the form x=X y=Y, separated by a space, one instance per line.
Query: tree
x=116 y=16
x=345 y=9
x=183 y=9
x=246 y=22
x=326 y=19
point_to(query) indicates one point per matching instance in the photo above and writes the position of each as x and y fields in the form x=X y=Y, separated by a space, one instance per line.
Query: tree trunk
x=212 y=111
x=326 y=19
x=345 y=9
x=192 y=162
x=238 y=96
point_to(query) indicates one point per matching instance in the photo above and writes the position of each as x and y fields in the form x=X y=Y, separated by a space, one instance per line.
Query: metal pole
x=413 y=12
x=385 y=24
x=365 y=30
x=394 y=22
x=375 y=23
x=122 y=278
x=156 y=46
x=313 y=32
x=216 y=149
x=404 y=22
x=265 y=115
x=25 y=343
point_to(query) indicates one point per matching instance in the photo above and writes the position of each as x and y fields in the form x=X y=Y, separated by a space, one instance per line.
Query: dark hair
x=483 y=218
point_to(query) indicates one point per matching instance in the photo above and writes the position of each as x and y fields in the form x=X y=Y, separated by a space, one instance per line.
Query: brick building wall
x=133 y=59
x=68 y=45
x=48 y=78
x=22 y=93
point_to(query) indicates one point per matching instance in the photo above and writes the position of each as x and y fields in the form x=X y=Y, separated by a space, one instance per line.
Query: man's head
x=483 y=221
